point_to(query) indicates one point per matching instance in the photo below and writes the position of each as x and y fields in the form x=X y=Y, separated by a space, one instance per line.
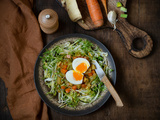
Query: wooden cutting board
x=128 y=32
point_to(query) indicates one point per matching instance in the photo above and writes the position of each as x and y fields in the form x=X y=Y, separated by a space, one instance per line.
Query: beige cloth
x=20 y=44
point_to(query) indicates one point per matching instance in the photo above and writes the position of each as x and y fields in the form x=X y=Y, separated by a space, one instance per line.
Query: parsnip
x=73 y=10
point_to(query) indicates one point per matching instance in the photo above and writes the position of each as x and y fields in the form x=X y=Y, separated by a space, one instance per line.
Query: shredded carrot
x=95 y=12
x=63 y=71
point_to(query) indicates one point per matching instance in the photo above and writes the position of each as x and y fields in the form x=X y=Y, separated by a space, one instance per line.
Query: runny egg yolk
x=77 y=75
x=82 y=67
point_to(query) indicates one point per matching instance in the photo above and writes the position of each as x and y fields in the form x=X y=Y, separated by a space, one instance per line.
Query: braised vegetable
x=63 y=71
x=93 y=72
x=90 y=74
x=74 y=87
x=63 y=87
x=79 y=86
x=85 y=79
x=68 y=90
x=83 y=85
x=93 y=67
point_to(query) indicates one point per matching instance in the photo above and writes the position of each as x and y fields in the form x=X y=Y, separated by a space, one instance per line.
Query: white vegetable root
x=73 y=10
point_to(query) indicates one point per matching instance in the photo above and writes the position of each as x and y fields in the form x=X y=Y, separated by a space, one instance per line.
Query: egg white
x=71 y=79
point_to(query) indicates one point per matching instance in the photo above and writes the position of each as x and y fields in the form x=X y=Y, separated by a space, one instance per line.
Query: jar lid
x=48 y=18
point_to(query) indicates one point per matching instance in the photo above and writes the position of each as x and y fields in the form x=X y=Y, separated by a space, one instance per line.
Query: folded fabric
x=20 y=44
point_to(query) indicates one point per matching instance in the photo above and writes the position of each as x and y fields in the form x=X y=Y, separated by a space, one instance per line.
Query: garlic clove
x=112 y=18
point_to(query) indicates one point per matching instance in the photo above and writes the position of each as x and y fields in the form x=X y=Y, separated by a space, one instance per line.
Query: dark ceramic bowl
x=52 y=102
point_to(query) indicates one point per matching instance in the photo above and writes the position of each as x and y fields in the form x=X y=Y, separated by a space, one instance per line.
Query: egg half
x=74 y=77
x=80 y=66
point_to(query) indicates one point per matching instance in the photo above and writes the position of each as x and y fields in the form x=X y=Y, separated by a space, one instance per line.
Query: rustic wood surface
x=138 y=80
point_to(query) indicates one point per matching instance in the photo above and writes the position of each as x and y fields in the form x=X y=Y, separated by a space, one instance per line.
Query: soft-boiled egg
x=80 y=64
x=74 y=77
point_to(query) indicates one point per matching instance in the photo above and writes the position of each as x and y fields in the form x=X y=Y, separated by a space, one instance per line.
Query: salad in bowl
x=70 y=75
x=65 y=77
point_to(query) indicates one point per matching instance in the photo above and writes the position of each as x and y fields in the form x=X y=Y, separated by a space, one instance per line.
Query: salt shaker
x=48 y=20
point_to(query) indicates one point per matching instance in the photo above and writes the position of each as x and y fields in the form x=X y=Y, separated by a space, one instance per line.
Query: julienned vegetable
x=58 y=60
x=95 y=12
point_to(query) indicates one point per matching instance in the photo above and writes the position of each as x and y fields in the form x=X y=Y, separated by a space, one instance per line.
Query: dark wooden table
x=138 y=80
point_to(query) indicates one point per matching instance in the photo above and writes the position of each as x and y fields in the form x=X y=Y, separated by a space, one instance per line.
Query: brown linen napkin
x=20 y=44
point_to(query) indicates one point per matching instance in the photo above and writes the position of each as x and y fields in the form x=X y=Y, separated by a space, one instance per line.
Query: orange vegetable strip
x=63 y=71
x=63 y=87
x=95 y=12
x=67 y=90
x=74 y=87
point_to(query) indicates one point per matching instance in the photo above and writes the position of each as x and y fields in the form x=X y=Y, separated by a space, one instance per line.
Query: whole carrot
x=95 y=12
